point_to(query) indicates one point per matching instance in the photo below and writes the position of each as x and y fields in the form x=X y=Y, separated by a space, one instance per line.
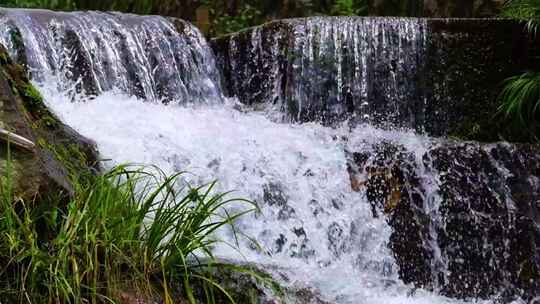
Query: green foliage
x=32 y=94
x=520 y=98
x=524 y=10
x=223 y=24
x=129 y=230
x=50 y=4
x=520 y=101
x=349 y=8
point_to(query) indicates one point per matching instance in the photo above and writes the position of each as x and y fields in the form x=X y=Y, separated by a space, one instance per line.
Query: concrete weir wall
x=437 y=76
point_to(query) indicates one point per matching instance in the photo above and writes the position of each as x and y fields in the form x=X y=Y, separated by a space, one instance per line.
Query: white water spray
x=313 y=227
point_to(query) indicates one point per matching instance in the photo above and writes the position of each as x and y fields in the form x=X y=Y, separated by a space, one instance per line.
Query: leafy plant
x=524 y=10
x=349 y=8
x=223 y=23
x=129 y=230
x=520 y=97
x=520 y=101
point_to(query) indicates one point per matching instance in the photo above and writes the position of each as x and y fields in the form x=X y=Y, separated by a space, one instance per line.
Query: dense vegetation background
x=222 y=16
x=217 y=17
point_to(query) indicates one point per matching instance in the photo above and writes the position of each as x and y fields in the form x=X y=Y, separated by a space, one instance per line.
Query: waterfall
x=353 y=212
x=93 y=52
x=327 y=69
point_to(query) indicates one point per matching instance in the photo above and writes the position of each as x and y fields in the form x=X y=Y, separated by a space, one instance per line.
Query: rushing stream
x=147 y=90
x=312 y=225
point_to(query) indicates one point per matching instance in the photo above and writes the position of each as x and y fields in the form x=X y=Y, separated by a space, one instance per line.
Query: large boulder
x=465 y=216
x=56 y=153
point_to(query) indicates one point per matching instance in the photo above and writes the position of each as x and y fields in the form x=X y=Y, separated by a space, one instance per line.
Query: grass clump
x=130 y=230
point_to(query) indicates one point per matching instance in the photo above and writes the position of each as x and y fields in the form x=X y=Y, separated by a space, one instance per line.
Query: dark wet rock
x=273 y=195
x=81 y=67
x=261 y=50
x=489 y=229
x=310 y=68
x=473 y=232
x=59 y=151
x=280 y=243
x=300 y=232
x=388 y=176
x=300 y=248
x=16 y=47
x=257 y=285
x=306 y=296
x=309 y=173
x=316 y=207
x=337 y=204
x=214 y=164
x=245 y=283
x=468 y=62
x=439 y=76
x=286 y=212
x=336 y=237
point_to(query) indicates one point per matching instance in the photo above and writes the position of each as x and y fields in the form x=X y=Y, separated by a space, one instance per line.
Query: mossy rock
x=60 y=154
x=249 y=283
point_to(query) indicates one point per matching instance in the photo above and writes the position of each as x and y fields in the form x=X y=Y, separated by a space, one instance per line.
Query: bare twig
x=16 y=140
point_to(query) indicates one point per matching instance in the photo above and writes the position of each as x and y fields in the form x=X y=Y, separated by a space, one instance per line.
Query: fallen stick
x=16 y=140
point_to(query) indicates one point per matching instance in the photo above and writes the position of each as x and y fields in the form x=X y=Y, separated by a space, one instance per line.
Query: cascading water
x=332 y=68
x=90 y=53
x=322 y=190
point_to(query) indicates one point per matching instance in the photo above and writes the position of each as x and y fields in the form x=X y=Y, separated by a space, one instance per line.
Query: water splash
x=315 y=231
x=314 y=227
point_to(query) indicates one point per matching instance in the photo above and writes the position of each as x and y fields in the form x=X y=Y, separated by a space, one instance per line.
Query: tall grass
x=130 y=230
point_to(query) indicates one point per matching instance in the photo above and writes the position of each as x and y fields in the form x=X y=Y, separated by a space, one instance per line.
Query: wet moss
x=244 y=283
x=4 y=58
x=71 y=157
x=31 y=97
x=34 y=104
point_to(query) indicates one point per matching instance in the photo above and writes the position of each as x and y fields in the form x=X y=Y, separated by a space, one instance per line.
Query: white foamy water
x=313 y=228
x=315 y=232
